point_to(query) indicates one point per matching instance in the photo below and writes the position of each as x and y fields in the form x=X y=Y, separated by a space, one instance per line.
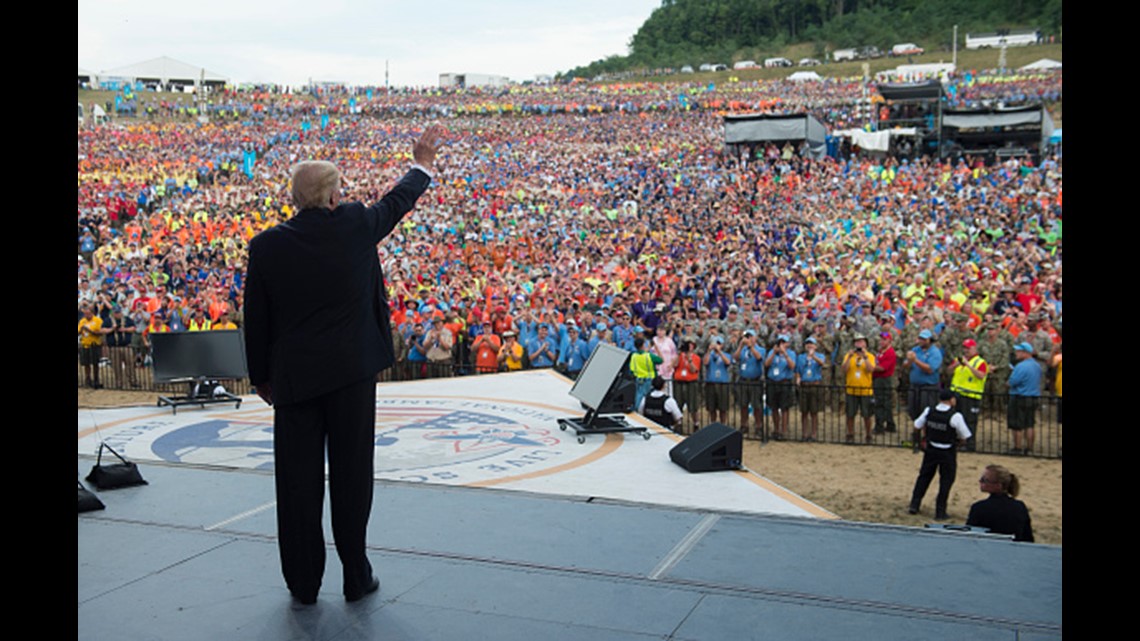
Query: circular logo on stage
x=425 y=439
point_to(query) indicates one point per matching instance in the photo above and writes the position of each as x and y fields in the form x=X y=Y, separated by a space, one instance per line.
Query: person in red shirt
x=1027 y=297
x=686 y=387
x=883 y=383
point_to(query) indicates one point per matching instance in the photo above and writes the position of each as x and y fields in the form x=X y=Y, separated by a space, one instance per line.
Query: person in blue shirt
x=542 y=349
x=717 y=379
x=780 y=368
x=1024 y=390
x=417 y=352
x=623 y=331
x=749 y=389
x=809 y=379
x=924 y=361
x=572 y=357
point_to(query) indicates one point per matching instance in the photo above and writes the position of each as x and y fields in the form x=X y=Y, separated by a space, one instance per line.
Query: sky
x=292 y=41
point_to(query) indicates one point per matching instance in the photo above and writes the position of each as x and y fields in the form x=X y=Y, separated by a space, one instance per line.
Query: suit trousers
x=345 y=421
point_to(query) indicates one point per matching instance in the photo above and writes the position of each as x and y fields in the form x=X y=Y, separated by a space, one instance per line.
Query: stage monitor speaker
x=619 y=400
x=715 y=446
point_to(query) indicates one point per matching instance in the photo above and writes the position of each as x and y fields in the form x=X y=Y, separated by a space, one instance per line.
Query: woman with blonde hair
x=1001 y=513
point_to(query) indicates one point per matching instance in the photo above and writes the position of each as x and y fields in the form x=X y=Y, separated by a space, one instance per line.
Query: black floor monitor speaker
x=715 y=446
x=619 y=400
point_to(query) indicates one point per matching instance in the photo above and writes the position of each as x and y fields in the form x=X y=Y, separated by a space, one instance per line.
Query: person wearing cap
x=511 y=353
x=995 y=346
x=1024 y=393
x=1006 y=304
x=623 y=331
x=883 y=383
x=718 y=364
x=643 y=364
x=574 y=353
x=950 y=342
x=1039 y=337
x=686 y=377
x=501 y=322
x=542 y=348
x=943 y=430
x=439 y=344
x=780 y=370
x=749 y=391
x=810 y=366
x=924 y=362
x=969 y=383
x=858 y=366
x=91 y=344
x=119 y=334
x=417 y=352
x=485 y=347
x=659 y=407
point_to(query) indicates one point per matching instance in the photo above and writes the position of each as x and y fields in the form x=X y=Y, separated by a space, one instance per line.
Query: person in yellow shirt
x=858 y=366
x=511 y=353
x=90 y=345
x=224 y=322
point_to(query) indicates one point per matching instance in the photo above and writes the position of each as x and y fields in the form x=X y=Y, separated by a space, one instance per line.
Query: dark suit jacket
x=1002 y=514
x=316 y=308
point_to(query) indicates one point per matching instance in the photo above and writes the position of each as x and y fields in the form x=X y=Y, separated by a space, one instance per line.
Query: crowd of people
x=565 y=216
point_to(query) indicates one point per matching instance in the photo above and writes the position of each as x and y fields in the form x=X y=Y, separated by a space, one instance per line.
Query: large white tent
x=1042 y=64
x=166 y=71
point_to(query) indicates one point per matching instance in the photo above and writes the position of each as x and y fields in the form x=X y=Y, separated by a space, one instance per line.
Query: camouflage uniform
x=1042 y=344
x=951 y=344
x=996 y=351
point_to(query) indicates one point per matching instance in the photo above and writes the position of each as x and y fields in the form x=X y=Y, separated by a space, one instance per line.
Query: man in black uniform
x=659 y=406
x=317 y=333
x=943 y=430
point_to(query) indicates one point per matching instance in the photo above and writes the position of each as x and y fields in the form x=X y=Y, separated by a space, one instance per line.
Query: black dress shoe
x=373 y=585
x=912 y=510
x=942 y=517
x=300 y=602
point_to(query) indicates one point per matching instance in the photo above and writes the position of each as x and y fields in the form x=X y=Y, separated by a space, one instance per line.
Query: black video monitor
x=211 y=354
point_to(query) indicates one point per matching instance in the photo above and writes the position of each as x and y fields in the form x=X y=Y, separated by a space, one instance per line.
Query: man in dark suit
x=317 y=333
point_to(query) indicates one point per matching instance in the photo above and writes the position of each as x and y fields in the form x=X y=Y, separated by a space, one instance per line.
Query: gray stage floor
x=193 y=556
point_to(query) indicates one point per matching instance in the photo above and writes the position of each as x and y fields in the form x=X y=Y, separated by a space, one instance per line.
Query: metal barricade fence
x=816 y=413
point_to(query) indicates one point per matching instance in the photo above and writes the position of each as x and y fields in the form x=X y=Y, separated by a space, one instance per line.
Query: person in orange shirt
x=485 y=348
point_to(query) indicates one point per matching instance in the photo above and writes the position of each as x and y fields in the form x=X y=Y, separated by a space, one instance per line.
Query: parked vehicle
x=1006 y=37
x=745 y=64
x=906 y=49
x=809 y=62
x=777 y=62
x=839 y=55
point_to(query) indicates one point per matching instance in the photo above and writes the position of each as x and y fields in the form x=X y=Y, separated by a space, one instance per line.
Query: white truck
x=462 y=80
x=1010 y=38
x=906 y=49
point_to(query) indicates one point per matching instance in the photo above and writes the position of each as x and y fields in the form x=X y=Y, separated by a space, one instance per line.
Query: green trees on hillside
x=683 y=32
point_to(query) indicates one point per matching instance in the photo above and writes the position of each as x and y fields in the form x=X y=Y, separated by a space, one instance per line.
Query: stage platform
x=523 y=534
x=474 y=431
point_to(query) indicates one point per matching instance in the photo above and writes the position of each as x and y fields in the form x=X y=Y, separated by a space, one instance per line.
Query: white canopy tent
x=166 y=71
x=1044 y=64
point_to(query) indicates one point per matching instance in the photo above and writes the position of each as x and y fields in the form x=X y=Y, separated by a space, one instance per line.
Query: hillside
x=690 y=32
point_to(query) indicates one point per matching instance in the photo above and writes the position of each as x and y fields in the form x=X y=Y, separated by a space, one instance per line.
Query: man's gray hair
x=314 y=182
